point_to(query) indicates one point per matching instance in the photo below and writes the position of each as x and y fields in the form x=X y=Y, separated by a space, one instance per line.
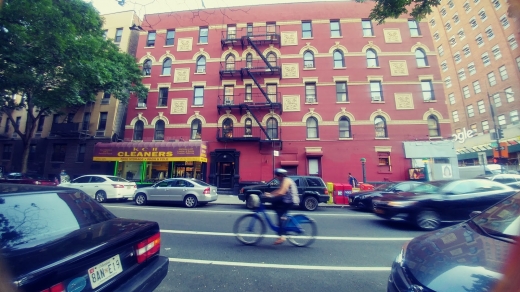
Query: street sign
x=276 y=153
x=503 y=150
x=494 y=144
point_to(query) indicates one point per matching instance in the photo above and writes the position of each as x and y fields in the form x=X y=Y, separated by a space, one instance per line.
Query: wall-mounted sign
x=463 y=136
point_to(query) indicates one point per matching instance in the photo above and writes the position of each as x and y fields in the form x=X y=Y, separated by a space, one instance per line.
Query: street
x=353 y=252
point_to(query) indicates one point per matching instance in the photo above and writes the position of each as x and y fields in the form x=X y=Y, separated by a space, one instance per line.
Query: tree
x=54 y=55
x=394 y=8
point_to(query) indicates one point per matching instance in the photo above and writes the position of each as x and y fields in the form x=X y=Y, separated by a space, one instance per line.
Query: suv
x=312 y=191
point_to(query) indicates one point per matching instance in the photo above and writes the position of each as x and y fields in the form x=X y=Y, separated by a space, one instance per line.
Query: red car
x=26 y=178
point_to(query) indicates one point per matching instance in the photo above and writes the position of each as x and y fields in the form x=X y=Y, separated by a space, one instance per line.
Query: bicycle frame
x=290 y=223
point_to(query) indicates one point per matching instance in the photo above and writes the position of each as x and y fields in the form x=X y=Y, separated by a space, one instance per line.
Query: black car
x=60 y=239
x=433 y=202
x=312 y=191
x=364 y=199
x=465 y=257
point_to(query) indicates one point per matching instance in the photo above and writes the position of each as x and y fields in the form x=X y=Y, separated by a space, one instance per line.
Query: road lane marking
x=279 y=266
x=344 y=238
x=311 y=214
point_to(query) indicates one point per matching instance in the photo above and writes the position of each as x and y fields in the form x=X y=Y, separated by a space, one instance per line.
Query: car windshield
x=430 y=187
x=204 y=184
x=502 y=218
x=116 y=178
x=385 y=187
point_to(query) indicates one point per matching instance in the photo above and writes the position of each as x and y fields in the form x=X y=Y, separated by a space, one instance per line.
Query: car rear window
x=315 y=182
x=116 y=178
x=201 y=183
x=29 y=220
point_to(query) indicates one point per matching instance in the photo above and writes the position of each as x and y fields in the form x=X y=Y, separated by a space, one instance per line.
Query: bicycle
x=300 y=229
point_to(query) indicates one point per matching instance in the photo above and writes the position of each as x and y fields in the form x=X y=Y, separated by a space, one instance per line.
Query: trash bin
x=347 y=190
x=330 y=188
x=366 y=187
x=338 y=197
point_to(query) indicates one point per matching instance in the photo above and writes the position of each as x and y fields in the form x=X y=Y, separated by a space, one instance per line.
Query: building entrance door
x=226 y=171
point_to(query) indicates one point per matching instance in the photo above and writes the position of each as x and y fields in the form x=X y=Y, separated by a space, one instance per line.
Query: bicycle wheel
x=301 y=230
x=249 y=229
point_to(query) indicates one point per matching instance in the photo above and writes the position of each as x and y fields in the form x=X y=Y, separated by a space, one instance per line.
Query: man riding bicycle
x=283 y=200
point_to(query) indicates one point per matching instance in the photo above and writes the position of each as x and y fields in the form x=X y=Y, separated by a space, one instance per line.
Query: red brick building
x=318 y=83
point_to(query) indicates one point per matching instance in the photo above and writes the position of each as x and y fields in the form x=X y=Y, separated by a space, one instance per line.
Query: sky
x=142 y=7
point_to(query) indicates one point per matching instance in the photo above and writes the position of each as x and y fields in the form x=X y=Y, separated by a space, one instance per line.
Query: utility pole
x=495 y=126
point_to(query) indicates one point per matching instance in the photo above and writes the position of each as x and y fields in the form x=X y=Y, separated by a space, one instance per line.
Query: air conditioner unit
x=376 y=98
x=309 y=65
x=228 y=102
x=310 y=100
x=141 y=105
x=201 y=70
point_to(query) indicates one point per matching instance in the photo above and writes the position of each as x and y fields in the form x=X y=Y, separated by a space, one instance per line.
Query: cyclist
x=283 y=200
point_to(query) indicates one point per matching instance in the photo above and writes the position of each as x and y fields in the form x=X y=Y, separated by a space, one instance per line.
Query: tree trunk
x=25 y=155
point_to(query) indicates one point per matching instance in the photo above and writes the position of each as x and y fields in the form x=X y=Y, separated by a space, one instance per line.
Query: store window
x=188 y=169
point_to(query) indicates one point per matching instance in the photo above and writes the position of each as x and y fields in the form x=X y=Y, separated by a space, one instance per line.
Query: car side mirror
x=397 y=190
x=474 y=213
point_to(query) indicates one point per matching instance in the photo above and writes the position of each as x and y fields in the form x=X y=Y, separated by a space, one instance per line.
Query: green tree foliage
x=394 y=8
x=53 y=53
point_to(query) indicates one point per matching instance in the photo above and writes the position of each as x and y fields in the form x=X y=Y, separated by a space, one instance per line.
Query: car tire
x=101 y=196
x=140 y=199
x=250 y=203
x=190 y=201
x=428 y=220
x=310 y=203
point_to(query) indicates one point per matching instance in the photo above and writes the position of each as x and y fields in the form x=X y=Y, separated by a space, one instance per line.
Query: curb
x=323 y=205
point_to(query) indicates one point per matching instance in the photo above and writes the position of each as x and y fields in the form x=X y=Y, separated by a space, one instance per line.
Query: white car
x=103 y=187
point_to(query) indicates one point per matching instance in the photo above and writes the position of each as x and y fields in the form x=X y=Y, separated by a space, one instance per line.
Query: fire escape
x=68 y=128
x=256 y=102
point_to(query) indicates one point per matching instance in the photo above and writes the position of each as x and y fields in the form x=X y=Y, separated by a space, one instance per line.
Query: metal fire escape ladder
x=258 y=122
x=259 y=53
x=259 y=86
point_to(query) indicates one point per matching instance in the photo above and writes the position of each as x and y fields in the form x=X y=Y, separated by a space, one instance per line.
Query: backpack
x=294 y=193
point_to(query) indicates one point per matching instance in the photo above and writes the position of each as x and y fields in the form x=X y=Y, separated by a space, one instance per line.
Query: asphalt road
x=353 y=252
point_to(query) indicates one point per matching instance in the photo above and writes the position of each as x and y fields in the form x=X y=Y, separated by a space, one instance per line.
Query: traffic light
x=500 y=133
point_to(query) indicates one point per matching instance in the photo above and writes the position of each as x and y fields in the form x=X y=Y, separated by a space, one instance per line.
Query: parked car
x=191 y=192
x=103 y=187
x=480 y=171
x=26 y=178
x=512 y=180
x=312 y=191
x=465 y=257
x=60 y=239
x=364 y=199
x=441 y=201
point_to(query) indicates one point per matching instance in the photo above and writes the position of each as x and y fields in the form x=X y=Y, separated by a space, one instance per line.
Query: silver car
x=191 y=192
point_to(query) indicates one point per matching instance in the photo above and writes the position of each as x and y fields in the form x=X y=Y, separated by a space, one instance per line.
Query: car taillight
x=242 y=190
x=206 y=191
x=148 y=247
x=60 y=287
x=326 y=191
x=118 y=186
x=135 y=186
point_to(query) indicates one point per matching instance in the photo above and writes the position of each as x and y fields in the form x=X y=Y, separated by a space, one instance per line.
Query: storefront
x=149 y=162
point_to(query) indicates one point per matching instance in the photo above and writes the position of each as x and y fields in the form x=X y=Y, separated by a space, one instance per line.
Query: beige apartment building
x=67 y=141
x=479 y=54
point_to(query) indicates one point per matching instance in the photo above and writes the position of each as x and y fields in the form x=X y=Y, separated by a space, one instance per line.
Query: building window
x=170 y=37
x=502 y=120
x=433 y=126
x=383 y=165
x=201 y=64
x=372 y=60
x=466 y=50
x=466 y=6
x=491 y=78
x=485 y=59
x=105 y=32
x=476 y=86
x=314 y=167
x=227 y=128
x=230 y=62
x=196 y=129
x=444 y=66
x=496 y=52
x=271 y=59
x=450 y=3
x=471 y=112
x=440 y=50
x=310 y=93
x=229 y=94
x=481 y=106
x=497 y=100
x=489 y=32
x=465 y=91
x=150 y=41
x=456 y=18
x=471 y=68
x=455 y=115
x=308 y=59
x=335 y=28
x=473 y=127
x=167 y=66
x=272 y=92
x=420 y=58
x=443 y=12
x=380 y=127
x=163 y=97
x=473 y=23
x=341 y=92
x=272 y=128
x=198 y=95
x=427 y=90
x=306 y=29
x=448 y=26
x=41 y=122
x=141 y=103
x=432 y=22
x=271 y=30
x=231 y=32
x=436 y=36
x=510 y=95
x=512 y=42
x=457 y=57
x=451 y=98
x=312 y=128
x=103 y=116
x=81 y=153
x=159 y=131
x=249 y=60
x=503 y=72
x=485 y=125
x=249 y=90
x=504 y=21
x=496 y=3
x=453 y=41
x=376 y=91
x=8 y=150
x=104 y=100
x=344 y=127
x=249 y=29
x=248 y=127
x=203 y=35
x=86 y=121
x=462 y=74
x=59 y=152
x=138 y=130
x=461 y=34
x=447 y=81
x=479 y=40
x=339 y=59
x=414 y=28
x=482 y=15
x=367 y=27
x=513 y=116
x=147 y=67
x=119 y=34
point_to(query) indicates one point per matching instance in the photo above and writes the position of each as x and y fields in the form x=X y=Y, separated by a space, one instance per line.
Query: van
x=479 y=170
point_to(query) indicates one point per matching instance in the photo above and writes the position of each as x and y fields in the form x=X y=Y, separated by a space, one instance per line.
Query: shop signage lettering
x=164 y=152
x=463 y=136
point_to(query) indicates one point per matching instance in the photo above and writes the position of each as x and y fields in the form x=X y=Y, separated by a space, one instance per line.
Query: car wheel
x=428 y=220
x=101 y=196
x=250 y=204
x=190 y=201
x=310 y=203
x=140 y=199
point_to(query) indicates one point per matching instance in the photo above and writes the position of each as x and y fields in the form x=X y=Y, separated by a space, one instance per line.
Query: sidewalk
x=233 y=200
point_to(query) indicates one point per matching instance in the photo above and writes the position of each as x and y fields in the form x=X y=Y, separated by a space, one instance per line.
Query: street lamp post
x=363 y=161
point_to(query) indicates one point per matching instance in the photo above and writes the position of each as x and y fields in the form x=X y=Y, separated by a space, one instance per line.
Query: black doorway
x=224 y=170
x=225 y=175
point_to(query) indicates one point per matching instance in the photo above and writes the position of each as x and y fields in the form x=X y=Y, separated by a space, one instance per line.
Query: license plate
x=379 y=211
x=128 y=187
x=104 y=271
